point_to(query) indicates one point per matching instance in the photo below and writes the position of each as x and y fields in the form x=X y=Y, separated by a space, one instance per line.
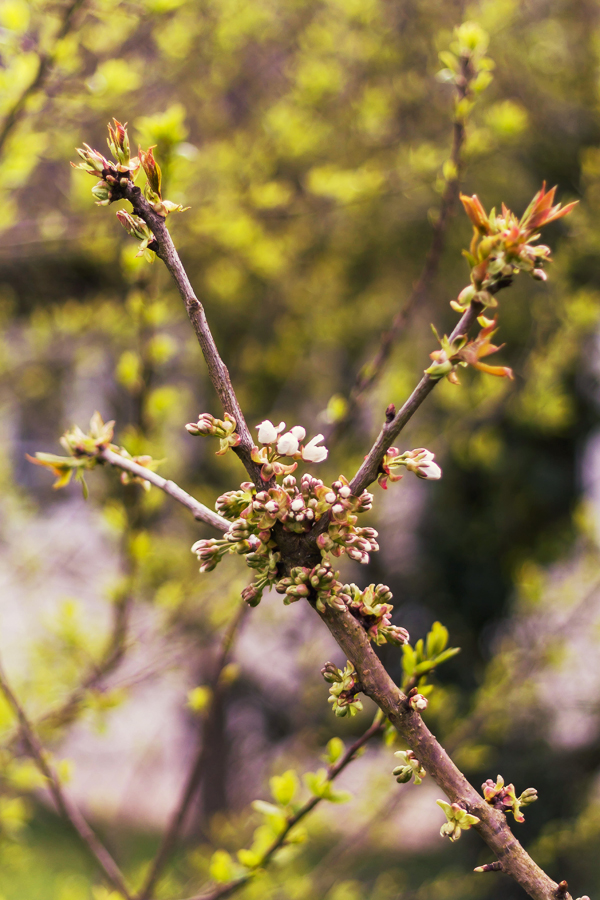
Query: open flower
x=312 y=453
x=288 y=444
x=267 y=433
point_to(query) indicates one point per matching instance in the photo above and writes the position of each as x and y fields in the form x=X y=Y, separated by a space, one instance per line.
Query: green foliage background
x=309 y=139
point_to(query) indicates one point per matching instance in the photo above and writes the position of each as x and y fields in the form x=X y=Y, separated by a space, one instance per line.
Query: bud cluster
x=503 y=245
x=410 y=766
x=462 y=352
x=419 y=461
x=458 y=820
x=321 y=579
x=115 y=175
x=84 y=450
x=373 y=610
x=223 y=429
x=503 y=797
x=343 y=690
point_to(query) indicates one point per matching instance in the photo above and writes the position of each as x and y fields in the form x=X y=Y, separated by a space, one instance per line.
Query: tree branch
x=492 y=827
x=198 y=510
x=369 y=470
x=63 y=803
x=218 y=372
x=196 y=772
x=65 y=713
x=225 y=890
x=45 y=61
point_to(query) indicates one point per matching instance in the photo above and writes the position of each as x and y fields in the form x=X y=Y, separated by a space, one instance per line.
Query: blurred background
x=310 y=139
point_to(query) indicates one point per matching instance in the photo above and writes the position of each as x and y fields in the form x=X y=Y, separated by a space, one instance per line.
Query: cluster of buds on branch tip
x=504 y=245
x=503 y=797
x=84 y=451
x=116 y=175
x=419 y=461
x=223 y=429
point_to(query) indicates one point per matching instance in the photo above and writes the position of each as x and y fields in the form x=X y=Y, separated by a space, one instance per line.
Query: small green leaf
x=284 y=787
x=316 y=782
x=335 y=750
x=409 y=660
x=437 y=639
x=248 y=858
x=221 y=867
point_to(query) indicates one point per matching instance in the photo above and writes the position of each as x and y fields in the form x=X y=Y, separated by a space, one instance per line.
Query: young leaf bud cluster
x=503 y=245
x=410 y=767
x=458 y=820
x=343 y=690
x=116 y=175
x=84 y=449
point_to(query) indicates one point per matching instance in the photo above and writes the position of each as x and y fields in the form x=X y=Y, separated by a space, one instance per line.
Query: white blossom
x=429 y=470
x=299 y=432
x=288 y=443
x=312 y=453
x=267 y=433
x=425 y=467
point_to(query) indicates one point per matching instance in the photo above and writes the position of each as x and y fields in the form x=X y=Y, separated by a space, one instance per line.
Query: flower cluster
x=458 y=819
x=116 y=175
x=223 y=429
x=503 y=245
x=503 y=797
x=275 y=445
x=462 y=352
x=297 y=507
x=343 y=690
x=410 y=766
x=419 y=461
x=374 y=611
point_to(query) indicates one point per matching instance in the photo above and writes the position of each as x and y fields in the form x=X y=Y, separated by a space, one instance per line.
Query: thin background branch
x=64 y=805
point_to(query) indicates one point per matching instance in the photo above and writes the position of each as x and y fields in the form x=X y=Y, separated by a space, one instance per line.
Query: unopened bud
x=418 y=702
x=331 y=673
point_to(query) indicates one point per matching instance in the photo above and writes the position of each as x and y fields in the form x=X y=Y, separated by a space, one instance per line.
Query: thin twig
x=370 y=468
x=225 y=890
x=218 y=372
x=198 y=510
x=45 y=62
x=63 y=803
x=198 y=767
x=65 y=712
x=369 y=373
